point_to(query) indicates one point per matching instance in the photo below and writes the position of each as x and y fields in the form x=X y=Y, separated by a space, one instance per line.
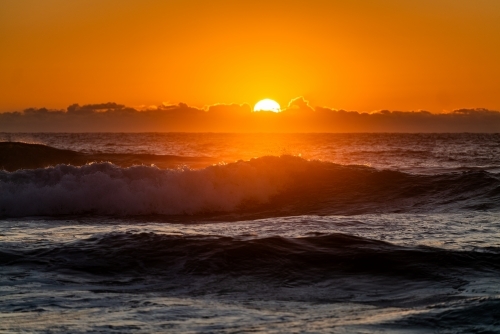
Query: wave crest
x=103 y=188
x=269 y=185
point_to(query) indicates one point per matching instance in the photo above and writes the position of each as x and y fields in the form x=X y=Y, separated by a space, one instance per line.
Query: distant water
x=415 y=153
x=349 y=233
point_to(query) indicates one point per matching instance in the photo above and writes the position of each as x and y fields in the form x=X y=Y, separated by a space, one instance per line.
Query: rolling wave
x=277 y=258
x=17 y=155
x=271 y=186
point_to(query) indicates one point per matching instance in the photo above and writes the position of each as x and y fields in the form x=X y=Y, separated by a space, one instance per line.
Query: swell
x=266 y=186
x=17 y=155
x=275 y=258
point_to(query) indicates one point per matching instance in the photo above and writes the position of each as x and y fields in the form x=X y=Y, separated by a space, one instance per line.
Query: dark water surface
x=237 y=233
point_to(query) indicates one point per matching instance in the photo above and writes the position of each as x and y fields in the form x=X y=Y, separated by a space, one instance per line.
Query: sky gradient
x=437 y=55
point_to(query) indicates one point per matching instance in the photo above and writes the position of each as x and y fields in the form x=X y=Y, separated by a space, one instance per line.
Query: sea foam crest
x=103 y=188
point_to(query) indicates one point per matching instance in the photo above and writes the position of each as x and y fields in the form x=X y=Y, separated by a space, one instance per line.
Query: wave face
x=293 y=260
x=265 y=186
x=106 y=189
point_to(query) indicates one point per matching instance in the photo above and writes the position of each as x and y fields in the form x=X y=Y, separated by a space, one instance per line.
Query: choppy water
x=360 y=234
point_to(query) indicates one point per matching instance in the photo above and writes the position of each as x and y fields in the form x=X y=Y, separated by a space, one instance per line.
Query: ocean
x=240 y=233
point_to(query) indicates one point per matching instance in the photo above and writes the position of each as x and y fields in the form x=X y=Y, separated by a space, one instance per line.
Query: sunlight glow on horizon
x=267 y=105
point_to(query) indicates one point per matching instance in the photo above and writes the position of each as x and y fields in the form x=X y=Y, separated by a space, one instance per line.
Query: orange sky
x=354 y=55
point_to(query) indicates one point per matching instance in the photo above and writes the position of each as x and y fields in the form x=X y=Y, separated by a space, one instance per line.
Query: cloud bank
x=298 y=116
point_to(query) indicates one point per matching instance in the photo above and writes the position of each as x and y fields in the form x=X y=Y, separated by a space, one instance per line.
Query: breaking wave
x=267 y=185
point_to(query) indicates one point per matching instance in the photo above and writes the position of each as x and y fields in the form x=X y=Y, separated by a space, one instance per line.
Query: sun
x=267 y=105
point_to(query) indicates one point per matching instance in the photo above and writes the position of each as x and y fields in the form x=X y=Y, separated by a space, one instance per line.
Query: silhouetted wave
x=276 y=258
x=266 y=186
x=17 y=155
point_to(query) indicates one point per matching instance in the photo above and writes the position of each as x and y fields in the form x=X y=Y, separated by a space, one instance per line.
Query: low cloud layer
x=298 y=116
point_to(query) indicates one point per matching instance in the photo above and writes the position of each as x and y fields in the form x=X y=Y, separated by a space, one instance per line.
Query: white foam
x=110 y=190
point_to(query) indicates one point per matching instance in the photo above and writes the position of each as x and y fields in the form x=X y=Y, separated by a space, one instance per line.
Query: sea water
x=354 y=233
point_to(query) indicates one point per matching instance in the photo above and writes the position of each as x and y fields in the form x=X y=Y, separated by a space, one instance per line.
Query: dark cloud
x=475 y=112
x=96 y=107
x=299 y=116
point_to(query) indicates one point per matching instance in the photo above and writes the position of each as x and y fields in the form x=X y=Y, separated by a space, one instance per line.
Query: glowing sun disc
x=267 y=105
